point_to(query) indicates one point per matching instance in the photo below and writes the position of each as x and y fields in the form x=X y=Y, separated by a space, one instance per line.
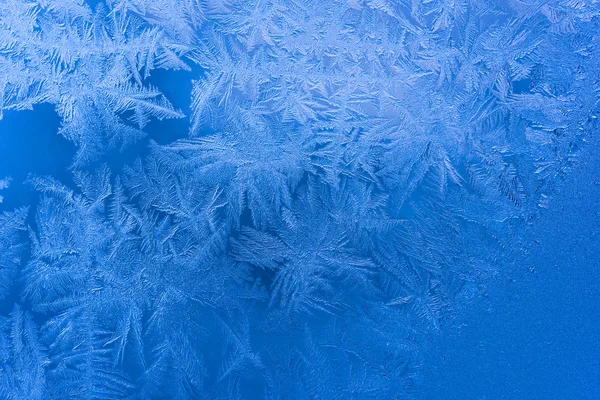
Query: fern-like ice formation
x=351 y=167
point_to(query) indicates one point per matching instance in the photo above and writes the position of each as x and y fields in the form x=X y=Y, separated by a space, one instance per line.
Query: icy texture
x=351 y=168
x=4 y=183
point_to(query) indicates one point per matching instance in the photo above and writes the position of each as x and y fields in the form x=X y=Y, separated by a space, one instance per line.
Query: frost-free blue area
x=289 y=200
x=535 y=334
x=30 y=145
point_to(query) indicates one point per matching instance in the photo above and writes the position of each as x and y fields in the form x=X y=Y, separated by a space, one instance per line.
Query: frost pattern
x=4 y=184
x=90 y=64
x=350 y=169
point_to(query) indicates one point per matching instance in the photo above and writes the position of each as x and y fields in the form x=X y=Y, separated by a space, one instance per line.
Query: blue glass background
x=535 y=335
x=528 y=331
